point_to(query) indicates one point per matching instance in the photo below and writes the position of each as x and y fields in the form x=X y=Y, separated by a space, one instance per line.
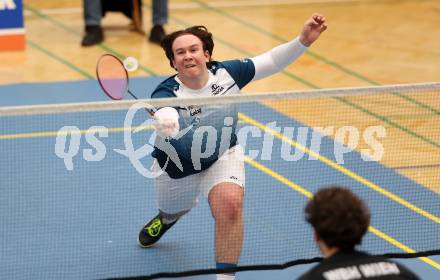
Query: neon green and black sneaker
x=153 y=231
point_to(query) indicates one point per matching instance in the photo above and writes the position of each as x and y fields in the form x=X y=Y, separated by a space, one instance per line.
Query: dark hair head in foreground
x=340 y=219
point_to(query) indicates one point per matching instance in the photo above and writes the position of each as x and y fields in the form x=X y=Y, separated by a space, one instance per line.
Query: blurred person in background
x=94 y=10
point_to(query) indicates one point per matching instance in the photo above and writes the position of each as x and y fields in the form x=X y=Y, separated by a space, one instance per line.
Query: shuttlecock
x=131 y=64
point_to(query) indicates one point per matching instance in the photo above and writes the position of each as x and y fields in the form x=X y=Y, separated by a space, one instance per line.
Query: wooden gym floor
x=368 y=42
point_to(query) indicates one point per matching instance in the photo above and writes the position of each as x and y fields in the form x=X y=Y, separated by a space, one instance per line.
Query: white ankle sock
x=167 y=221
x=225 y=277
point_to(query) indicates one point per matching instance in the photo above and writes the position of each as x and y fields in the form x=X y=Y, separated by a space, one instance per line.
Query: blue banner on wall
x=11 y=14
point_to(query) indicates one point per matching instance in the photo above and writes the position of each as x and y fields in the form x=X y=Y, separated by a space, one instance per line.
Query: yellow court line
x=340 y=168
x=257 y=165
x=309 y=195
x=251 y=121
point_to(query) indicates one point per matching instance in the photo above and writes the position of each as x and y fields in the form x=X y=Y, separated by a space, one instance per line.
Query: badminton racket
x=113 y=79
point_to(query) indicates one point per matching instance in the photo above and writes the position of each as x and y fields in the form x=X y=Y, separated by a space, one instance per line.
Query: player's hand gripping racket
x=113 y=79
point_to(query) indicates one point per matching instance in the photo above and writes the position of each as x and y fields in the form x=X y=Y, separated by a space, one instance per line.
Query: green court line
x=390 y=122
x=285 y=72
x=75 y=68
x=312 y=54
x=74 y=32
x=341 y=99
x=246 y=53
x=85 y=74
x=59 y=59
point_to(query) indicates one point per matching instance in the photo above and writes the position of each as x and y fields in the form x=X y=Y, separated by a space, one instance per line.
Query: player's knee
x=233 y=209
x=228 y=208
x=230 y=212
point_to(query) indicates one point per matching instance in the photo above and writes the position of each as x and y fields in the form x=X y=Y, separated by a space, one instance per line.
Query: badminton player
x=219 y=174
x=339 y=220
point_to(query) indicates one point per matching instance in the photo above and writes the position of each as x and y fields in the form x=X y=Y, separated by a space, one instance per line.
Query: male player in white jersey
x=194 y=163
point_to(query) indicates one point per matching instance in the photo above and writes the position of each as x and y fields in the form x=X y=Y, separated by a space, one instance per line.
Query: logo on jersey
x=194 y=110
x=216 y=89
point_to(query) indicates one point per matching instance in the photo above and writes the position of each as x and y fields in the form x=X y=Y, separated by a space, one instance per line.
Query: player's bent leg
x=226 y=202
x=156 y=228
x=175 y=196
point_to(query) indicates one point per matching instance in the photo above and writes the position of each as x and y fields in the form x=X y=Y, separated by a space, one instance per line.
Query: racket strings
x=112 y=76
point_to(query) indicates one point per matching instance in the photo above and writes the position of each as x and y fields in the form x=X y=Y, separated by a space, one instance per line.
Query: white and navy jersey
x=354 y=265
x=211 y=129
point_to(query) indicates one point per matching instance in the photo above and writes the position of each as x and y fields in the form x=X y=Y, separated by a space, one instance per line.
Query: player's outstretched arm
x=283 y=55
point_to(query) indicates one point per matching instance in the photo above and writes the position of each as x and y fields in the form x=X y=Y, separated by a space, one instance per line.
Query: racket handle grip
x=150 y=109
x=150 y=112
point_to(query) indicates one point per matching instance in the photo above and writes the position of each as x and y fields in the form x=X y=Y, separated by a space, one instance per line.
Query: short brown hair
x=339 y=217
x=199 y=31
